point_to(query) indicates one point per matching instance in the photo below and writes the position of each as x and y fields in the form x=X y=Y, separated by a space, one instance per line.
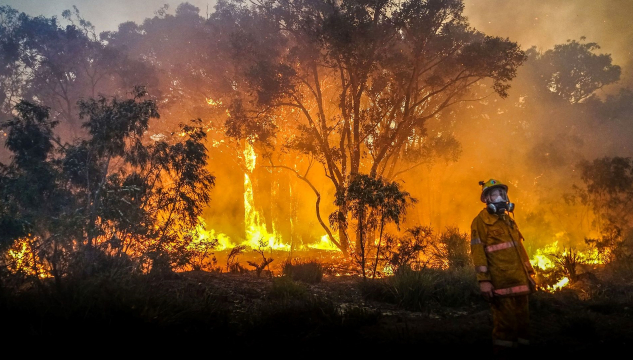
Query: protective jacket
x=498 y=254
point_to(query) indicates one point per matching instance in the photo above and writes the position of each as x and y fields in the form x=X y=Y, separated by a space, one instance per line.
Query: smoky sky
x=104 y=15
x=545 y=23
x=540 y=23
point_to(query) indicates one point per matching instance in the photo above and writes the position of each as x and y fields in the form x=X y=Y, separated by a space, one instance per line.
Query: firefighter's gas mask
x=497 y=201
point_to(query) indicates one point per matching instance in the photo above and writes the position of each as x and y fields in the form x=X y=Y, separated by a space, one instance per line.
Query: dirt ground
x=562 y=323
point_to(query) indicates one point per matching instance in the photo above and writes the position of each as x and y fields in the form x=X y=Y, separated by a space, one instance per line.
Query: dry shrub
x=421 y=247
x=417 y=290
x=451 y=249
x=284 y=288
x=404 y=251
x=308 y=271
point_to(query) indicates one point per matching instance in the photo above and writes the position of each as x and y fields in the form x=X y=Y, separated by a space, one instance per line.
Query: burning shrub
x=615 y=250
x=558 y=268
x=113 y=193
x=451 y=250
x=567 y=262
x=404 y=251
x=308 y=271
x=232 y=260
x=259 y=267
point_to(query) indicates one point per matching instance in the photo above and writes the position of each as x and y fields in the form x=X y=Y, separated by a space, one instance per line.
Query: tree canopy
x=114 y=193
x=356 y=81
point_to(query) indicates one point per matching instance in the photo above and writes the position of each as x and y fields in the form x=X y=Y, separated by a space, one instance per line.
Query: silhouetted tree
x=356 y=80
x=608 y=190
x=573 y=70
x=53 y=65
x=372 y=203
x=115 y=192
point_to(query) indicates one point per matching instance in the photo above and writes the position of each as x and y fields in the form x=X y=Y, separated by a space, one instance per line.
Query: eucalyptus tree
x=352 y=83
x=114 y=193
x=373 y=202
x=52 y=64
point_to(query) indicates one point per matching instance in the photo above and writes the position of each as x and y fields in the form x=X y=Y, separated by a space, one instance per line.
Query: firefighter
x=503 y=268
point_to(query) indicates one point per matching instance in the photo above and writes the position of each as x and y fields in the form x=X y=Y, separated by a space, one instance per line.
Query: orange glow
x=256 y=231
x=21 y=257
x=201 y=235
x=324 y=244
x=545 y=259
x=214 y=103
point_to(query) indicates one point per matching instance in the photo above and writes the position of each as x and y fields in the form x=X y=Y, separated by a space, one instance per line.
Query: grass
x=417 y=290
x=154 y=310
x=241 y=312
x=283 y=288
x=308 y=322
x=307 y=271
x=124 y=303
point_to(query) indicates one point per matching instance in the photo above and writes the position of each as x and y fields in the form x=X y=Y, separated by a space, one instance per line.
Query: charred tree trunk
x=282 y=210
x=342 y=229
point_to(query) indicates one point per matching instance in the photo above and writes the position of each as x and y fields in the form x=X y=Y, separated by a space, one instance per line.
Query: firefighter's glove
x=487 y=290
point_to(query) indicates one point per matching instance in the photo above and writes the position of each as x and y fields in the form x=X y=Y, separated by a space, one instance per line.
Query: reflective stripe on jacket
x=498 y=254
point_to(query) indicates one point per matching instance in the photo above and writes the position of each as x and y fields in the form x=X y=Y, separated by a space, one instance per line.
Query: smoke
x=544 y=23
x=533 y=145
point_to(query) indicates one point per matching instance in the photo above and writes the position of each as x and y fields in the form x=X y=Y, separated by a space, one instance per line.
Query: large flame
x=201 y=235
x=543 y=259
x=324 y=244
x=256 y=232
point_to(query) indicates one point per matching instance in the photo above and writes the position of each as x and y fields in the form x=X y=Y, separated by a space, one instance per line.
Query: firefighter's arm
x=524 y=256
x=477 y=242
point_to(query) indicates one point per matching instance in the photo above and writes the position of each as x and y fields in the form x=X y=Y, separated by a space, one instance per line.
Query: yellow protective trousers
x=510 y=321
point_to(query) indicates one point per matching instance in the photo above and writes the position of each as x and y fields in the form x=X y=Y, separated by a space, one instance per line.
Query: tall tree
x=53 y=65
x=573 y=71
x=357 y=80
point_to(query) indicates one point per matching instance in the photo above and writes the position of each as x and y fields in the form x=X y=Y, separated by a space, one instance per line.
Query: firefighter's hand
x=487 y=290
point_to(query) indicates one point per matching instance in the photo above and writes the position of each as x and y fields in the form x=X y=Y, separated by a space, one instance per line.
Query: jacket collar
x=487 y=217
